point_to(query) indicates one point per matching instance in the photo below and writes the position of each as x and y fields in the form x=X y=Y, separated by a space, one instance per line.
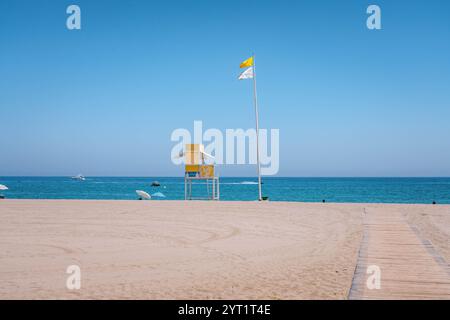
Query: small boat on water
x=79 y=177
x=156 y=184
x=143 y=195
x=3 y=188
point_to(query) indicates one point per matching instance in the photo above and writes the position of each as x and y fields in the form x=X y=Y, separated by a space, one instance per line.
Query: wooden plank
x=410 y=266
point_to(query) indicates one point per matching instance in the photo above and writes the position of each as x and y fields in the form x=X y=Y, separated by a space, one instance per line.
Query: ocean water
x=370 y=190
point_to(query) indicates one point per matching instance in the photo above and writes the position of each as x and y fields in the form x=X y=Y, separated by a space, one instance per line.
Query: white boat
x=143 y=195
x=3 y=188
x=79 y=177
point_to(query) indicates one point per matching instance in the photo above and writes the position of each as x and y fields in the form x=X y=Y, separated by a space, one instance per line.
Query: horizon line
x=246 y=177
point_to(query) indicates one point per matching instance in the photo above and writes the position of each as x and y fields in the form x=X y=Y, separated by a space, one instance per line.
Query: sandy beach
x=195 y=250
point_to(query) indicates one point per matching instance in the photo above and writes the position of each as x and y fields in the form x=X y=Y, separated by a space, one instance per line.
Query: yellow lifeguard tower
x=197 y=170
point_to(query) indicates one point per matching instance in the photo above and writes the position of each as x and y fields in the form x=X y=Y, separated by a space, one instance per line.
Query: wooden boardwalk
x=410 y=268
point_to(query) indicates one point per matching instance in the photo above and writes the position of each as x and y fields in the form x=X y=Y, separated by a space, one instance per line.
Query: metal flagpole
x=257 y=128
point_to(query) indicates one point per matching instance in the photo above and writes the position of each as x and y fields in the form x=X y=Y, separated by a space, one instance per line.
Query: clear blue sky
x=104 y=100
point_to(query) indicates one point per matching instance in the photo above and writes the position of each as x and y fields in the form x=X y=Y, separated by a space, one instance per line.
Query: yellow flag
x=247 y=63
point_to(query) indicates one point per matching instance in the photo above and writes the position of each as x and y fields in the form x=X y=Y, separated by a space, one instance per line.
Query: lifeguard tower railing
x=197 y=172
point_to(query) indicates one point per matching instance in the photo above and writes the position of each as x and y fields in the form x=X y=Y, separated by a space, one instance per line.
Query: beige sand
x=191 y=250
x=433 y=223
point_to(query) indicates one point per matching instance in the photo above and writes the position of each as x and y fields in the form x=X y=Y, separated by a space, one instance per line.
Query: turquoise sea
x=372 y=190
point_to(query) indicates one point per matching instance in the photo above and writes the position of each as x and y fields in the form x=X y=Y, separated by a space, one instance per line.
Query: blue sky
x=104 y=100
